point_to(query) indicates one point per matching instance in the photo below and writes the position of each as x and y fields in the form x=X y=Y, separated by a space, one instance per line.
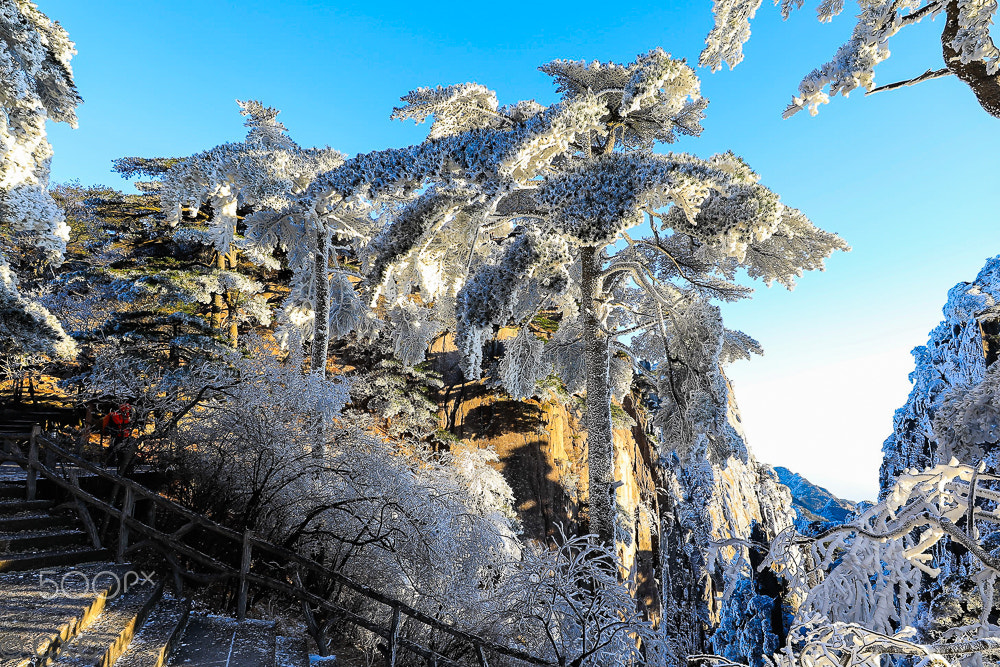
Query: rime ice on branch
x=967 y=48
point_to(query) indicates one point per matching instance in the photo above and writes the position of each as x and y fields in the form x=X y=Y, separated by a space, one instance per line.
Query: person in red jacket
x=117 y=423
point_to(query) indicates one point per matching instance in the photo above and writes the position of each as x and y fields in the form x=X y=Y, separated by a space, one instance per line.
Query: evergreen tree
x=508 y=210
x=231 y=181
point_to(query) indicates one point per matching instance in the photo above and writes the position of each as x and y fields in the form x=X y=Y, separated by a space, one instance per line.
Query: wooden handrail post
x=241 y=599
x=81 y=509
x=394 y=637
x=36 y=430
x=128 y=507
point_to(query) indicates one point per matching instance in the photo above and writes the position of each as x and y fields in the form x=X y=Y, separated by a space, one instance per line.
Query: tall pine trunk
x=234 y=328
x=232 y=301
x=218 y=301
x=321 y=326
x=601 y=457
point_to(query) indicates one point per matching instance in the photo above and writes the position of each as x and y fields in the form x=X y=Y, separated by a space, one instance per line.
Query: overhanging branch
x=926 y=76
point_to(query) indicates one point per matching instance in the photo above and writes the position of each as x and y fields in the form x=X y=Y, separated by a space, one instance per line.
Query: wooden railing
x=62 y=468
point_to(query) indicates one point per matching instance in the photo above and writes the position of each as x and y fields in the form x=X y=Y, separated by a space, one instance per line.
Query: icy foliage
x=522 y=365
x=456 y=109
x=532 y=265
x=745 y=633
x=972 y=41
x=653 y=98
x=967 y=423
x=417 y=248
x=571 y=602
x=262 y=172
x=27 y=328
x=966 y=34
x=37 y=85
x=565 y=352
x=411 y=329
x=244 y=296
x=860 y=583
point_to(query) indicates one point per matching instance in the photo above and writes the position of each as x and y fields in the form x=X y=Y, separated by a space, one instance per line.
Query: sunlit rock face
x=719 y=502
x=671 y=511
x=958 y=353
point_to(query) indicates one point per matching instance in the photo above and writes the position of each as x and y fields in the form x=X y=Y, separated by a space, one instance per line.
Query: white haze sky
x=907 y=177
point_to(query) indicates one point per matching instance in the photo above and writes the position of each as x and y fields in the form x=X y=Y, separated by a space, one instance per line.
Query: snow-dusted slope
x=812 y=502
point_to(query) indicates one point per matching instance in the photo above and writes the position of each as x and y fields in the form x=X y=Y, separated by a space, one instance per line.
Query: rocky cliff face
x=707 y=591
x=670 y=510
x=952 y=411
x=957 y=355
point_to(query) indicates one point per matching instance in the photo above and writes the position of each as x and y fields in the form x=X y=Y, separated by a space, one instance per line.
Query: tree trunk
x=218 y=301
x=986 y=86
x=321 y=326
x=234 y=327
x=601 y=454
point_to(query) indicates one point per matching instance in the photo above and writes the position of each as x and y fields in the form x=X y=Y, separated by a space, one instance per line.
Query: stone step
x=41 y=611
x=13 y=491
x=34 y=560
x=105 y=640
x=154 y=643
x=10 y=472
x=8 y=507
x=216 y=641
x=29 y=540
x=15 y=523
x=291 y=652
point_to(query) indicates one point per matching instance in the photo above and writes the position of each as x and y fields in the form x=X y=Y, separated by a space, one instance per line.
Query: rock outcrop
x=952 y=411
x=956 y=357
x=672 y=512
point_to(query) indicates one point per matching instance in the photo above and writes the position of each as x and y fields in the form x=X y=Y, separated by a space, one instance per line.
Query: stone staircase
x=33 y=534
x=62 y=603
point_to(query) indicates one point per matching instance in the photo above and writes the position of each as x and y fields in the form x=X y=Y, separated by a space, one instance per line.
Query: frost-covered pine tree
x=36 y=82
x=260 y=173
x=967 y=47
x=508 y=210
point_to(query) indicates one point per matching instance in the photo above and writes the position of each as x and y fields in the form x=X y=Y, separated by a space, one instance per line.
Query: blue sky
x=904 y=176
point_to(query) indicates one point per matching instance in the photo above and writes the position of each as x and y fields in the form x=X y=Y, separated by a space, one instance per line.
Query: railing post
x=394 y=637
x=128 y=506
x=241 y=599
x=81 y=509
x=33 y=461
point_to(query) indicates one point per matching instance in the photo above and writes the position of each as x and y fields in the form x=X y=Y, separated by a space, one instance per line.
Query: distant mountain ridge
x=812 y=502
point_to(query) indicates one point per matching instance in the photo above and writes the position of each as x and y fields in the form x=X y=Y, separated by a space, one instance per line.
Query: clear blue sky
x=907 y=177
